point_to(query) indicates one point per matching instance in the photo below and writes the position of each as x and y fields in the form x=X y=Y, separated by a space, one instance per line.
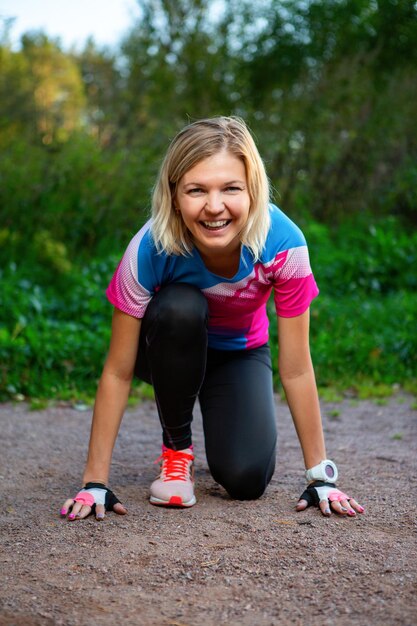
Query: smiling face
x=214 y=203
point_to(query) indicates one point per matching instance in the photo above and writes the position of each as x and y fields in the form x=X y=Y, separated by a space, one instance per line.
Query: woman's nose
x=214 y=203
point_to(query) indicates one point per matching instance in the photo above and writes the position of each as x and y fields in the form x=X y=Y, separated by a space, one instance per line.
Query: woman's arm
x=298 y=380
x=297 y=377
x=112 y=395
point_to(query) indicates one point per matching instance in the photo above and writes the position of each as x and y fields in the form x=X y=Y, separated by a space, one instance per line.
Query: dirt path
x=221 y=562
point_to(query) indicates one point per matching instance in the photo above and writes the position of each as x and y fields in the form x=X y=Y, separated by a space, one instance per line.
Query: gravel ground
x=221 y=562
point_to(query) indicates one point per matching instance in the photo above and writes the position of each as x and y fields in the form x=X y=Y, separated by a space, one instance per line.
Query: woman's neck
x=222 y=263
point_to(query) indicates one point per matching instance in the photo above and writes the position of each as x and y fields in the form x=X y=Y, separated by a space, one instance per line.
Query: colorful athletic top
x=237 y=306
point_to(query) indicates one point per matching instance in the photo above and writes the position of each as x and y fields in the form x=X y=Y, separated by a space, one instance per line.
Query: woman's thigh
x=238 y=409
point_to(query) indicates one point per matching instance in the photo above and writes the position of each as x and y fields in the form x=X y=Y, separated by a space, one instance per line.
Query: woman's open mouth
x=218 y=225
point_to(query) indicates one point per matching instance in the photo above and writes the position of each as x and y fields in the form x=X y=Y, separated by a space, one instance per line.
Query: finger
x=325 y=508
x=338 y=508
x=356 y=506
x=119 y=508
x=75 y=510
x=84 y=511
x=66 y=506
x=100 y=511
x=349 y=511
x=301 y=505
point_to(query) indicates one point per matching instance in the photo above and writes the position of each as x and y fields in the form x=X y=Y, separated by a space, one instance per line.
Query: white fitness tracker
x=325 y=471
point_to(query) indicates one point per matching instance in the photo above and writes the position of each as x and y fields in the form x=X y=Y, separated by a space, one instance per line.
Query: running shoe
x=175 y=484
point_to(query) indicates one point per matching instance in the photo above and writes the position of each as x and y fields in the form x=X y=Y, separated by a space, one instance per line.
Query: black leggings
x=234 y=389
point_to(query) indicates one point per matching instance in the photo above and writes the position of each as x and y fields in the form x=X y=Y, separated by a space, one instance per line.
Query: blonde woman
x=190 y=318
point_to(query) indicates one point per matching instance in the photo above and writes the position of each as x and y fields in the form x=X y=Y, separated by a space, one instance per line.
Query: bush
x=54 y=337
x=82 y=196
x=363 y=256
x=55 y=319
x=354 y=339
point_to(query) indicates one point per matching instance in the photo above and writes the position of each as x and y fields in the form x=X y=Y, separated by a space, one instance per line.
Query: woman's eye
x=195 y=190
x=233 y=189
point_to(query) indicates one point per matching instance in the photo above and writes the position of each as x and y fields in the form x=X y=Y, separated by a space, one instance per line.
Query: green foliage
x=380 y=391
x=363 y=322
x=397 y=436
x=328 y=87
x=330 y=394
x=41 y=91
x=55 y=322
x=361 y=343
x=83 y=198
x=354 y=339
x=52 y=253
x=367 y=255
x=411 y=386
x=329 y=90
x=53 y=336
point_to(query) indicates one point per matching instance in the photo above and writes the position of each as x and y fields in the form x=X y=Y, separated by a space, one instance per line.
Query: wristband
x=325 y=471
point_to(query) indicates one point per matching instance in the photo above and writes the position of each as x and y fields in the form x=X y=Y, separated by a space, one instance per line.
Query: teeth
x=215 y=224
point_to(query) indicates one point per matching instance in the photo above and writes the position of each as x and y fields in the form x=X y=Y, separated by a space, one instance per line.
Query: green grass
x=330 y=394
x=397 y=436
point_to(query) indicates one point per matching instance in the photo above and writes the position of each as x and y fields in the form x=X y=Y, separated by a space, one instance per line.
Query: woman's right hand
x=93 y=498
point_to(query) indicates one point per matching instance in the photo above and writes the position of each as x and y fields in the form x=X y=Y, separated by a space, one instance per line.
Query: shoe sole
x=174 y=501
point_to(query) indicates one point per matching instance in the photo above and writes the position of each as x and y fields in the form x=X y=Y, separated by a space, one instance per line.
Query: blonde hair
x=195 y=142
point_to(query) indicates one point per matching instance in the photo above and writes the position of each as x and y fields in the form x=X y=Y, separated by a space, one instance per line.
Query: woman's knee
x=245 y=483
x=181 y=305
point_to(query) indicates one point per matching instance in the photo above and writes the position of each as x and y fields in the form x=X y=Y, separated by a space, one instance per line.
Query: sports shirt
x=237 y=306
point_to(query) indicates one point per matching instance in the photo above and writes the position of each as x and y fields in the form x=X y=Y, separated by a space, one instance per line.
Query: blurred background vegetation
x=330 y=92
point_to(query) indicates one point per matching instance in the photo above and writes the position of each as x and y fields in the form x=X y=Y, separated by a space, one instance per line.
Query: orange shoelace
x=175 y=465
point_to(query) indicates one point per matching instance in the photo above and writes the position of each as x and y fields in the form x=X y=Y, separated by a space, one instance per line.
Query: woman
x=190 y=298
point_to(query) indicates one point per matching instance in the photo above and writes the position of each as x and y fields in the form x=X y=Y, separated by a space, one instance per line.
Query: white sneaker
x=175 y=484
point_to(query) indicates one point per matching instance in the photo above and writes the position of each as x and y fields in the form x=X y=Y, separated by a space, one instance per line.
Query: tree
x=57 y=88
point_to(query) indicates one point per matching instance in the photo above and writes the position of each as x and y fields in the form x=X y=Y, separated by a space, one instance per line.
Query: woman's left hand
x=328 y=498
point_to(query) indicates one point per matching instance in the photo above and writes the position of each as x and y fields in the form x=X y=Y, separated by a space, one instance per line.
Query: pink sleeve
x=125 y=291
x=294 y=284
